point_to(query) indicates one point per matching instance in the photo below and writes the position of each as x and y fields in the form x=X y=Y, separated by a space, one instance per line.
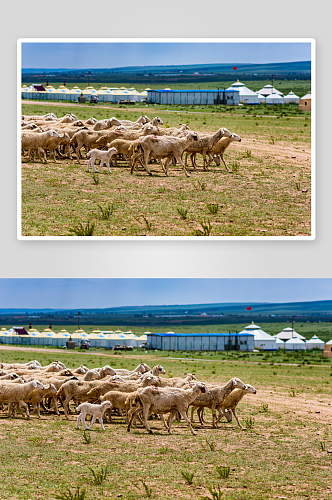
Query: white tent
x=315 y=342
x=295 y=344
x=288 y=333
x=329 y=342
x=247 y=96
x=274 y=99
x=280 y=343
x=262 y=339
x=291 y=97
x=261 y=98
x=269 y=89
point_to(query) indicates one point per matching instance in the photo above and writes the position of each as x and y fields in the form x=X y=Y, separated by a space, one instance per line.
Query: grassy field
x=284 y=453
x=268 y=193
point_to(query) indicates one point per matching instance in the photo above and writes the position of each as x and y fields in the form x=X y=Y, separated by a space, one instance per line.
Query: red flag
x=235 y=67
x=249 y=308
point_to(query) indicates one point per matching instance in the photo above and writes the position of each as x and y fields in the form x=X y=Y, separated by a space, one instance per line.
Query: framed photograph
x=166 y=139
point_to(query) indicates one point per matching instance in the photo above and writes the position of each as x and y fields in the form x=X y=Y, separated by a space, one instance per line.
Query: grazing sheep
x=176 y=381
x=87 y=138
x=164 y=147
x=38 y=395
x=18 y=393
x=92 y=375
x=204 y=146
x=166 y=400
x=103 y=387
x=103 y=156
x=55 y=142
x=216 y=397
x=141 y=368
x=230 y=403
x=118 y=400
x=219 y=149
x=32 y=141
x=97 y=411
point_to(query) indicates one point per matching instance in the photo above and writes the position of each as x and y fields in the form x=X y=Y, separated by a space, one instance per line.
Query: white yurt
x=280 y=343
x=247 y=96
x=274 y=99
x=315 y=343
x=261 y=98
x=295 y=344
x=291 y=97
x=329 y=342
x=262 y=339
x=269 y=89
x=288 y=333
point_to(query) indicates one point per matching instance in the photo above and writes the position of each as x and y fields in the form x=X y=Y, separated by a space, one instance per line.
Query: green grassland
x=284 y=453
x=268 y=193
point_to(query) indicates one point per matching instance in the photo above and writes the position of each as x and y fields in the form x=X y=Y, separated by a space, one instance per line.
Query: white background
x=175 y=18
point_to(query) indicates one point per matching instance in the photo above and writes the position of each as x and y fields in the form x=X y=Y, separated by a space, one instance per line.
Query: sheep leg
x=171 y=418
x=20 y=403
x=108 y=166
x=41 y=150
x=92 y=421
x=222 y=157
x=200 y=415
x=185 y=417
x=89 y=164
x=101 y=423
x=214 y=417
x=178 y=158
x=145 y=418
x=235 y=415
x=146 y=161
x=132 y=414
x=205 y=166
x=100 y=164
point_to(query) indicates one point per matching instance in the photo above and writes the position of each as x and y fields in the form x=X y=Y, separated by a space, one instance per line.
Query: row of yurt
x=268 y=95
x=63 y=93
x=48 y=337
x=287 y=339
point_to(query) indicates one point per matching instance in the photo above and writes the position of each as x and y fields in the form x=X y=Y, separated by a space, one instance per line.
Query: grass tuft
x=81 y=230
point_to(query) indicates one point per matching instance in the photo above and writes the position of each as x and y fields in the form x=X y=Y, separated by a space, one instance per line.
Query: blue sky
x=110 y=55
x=93 y=293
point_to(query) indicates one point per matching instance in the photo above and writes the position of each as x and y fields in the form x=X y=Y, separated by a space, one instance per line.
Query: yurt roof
x=143 y=337
x=294 y=340
x=291 y=94
x=279 y=341
x=307 y=96
x=287 y=333
x=3 y=329
x=329 y=342
x=315 y=340
x=80 y=331
x=258 y=332
x=243 y=90
x=269 y=89
x=274 y=96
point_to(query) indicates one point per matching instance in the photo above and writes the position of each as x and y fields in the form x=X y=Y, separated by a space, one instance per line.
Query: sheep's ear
x=34 y=383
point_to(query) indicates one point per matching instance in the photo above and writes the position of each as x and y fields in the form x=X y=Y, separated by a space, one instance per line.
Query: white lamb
x=103 y=156
x=97 y=411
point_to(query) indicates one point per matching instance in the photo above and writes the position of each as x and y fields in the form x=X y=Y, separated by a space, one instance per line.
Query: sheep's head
x=225 y=132
x=235 y=137
x=106 y=404
x=160 y=369
x=250 y=389
x=37 y=383
x=237 y=383
x=202 y=387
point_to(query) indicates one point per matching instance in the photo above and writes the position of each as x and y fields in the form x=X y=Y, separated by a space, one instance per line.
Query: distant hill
x=323 y=307
x=296 y=67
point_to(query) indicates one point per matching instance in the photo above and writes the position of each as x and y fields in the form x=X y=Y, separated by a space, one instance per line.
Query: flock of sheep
x=141 y=393
x=111 y=139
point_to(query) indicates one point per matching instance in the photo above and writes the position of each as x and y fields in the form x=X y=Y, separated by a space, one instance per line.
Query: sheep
x=77 y=390
x=33 y=141
x=216 y=397
x=141 y=368
x=38 y=395
x=165 y=147
x=18 y=393
x=89 y=139
x=92 y=375
x=219 y=149
x=142 y=119
x=230 y=403
x=103 y=387
x=118 y=400
x=103 y=124
x=55 y=142
x=204 y=146
x=96 y=411
x=81 y=370
x=176 y=381
x=109 y=136
x=166 y=400
x=174 y=131
x=103 y=156
x=105 y=370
